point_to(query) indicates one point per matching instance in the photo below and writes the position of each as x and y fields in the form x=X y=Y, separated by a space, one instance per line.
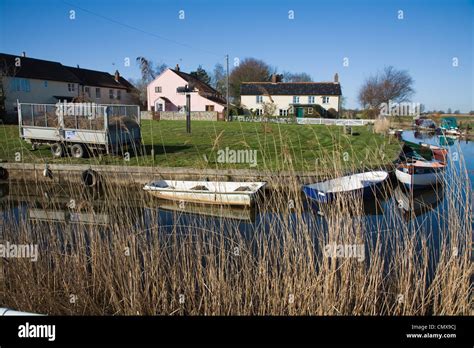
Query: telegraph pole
x=227 y=88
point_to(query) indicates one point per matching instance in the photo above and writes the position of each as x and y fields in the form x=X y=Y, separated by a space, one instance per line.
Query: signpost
x=186 y=90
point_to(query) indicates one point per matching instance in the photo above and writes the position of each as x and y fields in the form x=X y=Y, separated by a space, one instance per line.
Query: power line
x=142 y=31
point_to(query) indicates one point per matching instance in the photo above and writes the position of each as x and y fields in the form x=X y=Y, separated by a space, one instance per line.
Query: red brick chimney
x=177 y=67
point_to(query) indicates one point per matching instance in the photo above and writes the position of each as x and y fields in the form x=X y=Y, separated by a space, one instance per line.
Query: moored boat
x=419 y=174
x=209 y=192
x=449 y=125
x=428 y=151
x=364 y=184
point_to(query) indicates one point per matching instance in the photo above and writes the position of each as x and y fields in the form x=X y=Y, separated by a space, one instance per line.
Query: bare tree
x=389 y=85
x=148 y=74
x=218 y=79
x=296 y=77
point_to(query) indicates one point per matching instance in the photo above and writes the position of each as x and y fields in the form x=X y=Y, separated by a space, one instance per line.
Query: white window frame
x=71 y=87
x=111 y=94
x=296 y=99
x=325 y=99
x=283 y=112
x=311 y=99
x=158 y=89
x=259 y=99
x=97 y=95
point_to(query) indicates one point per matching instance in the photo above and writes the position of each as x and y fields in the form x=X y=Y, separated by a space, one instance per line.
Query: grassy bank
x=304 y=147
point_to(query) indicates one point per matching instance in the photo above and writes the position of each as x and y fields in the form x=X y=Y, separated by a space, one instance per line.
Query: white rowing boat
x=419 y=174
x=210 y=192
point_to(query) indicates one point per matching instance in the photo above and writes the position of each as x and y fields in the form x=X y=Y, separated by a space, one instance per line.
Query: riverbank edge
x=138 y=175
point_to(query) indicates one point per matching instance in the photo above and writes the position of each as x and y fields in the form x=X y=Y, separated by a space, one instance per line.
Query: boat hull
x=207 y=192
x=417 y=180
x=317 y=193
x=206 y=198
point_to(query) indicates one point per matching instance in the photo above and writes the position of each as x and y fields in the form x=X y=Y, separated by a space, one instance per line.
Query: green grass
x=299 y=147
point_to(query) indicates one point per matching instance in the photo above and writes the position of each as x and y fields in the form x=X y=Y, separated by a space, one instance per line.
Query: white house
x=302 y=99
x=162 y=93
x=40 y=81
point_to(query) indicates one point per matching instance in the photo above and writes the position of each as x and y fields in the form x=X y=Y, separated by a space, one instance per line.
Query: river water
x=422 y=209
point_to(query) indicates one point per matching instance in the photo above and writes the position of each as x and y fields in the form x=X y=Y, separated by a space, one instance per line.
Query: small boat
x=449 y=125
x=364 y=184
x=428 y=151
x=419 y=174
x=425 y=124
x=209 y=192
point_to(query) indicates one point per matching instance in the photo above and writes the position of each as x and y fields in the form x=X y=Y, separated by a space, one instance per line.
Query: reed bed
x=137 y=263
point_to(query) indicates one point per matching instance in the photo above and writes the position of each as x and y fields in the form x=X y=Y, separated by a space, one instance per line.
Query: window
x=259 y=112
x=296 y=99
x=310 y=111
x=87 y=91
x=311 y=99
x=119 y=94
x=111 y=93
x=97 y=93
x=71 y=87
x=325 y=100
x=259 y=99
x=158 y=89
x=21 y=85
x=209 y=107
x=283 y=112
x=45 y=83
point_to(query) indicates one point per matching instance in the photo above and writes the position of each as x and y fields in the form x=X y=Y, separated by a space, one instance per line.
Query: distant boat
x=419 y=174
x=209 y=192
x=364 y=184
x=425 y=124
x=449 y=125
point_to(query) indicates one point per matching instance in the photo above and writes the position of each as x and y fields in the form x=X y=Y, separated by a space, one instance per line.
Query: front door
x=299 y=112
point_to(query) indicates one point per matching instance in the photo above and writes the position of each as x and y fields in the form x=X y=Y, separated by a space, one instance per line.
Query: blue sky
x=316 y=41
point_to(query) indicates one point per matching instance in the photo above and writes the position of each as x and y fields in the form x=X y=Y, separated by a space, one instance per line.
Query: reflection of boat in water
x=418 y=201
x=208 y=192
x=423 y=135
x=447 y=140
x=65 y=216
x=219 y=211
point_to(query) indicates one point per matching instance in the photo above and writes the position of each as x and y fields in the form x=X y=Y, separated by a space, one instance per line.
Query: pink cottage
x=162 y=95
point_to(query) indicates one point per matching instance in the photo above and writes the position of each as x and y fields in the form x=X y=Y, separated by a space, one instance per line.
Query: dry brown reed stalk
x=381 y=125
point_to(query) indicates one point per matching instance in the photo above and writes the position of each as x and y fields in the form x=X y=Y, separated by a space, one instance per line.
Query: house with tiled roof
x=162 y=93
x=31 y=80
x=301 y=99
